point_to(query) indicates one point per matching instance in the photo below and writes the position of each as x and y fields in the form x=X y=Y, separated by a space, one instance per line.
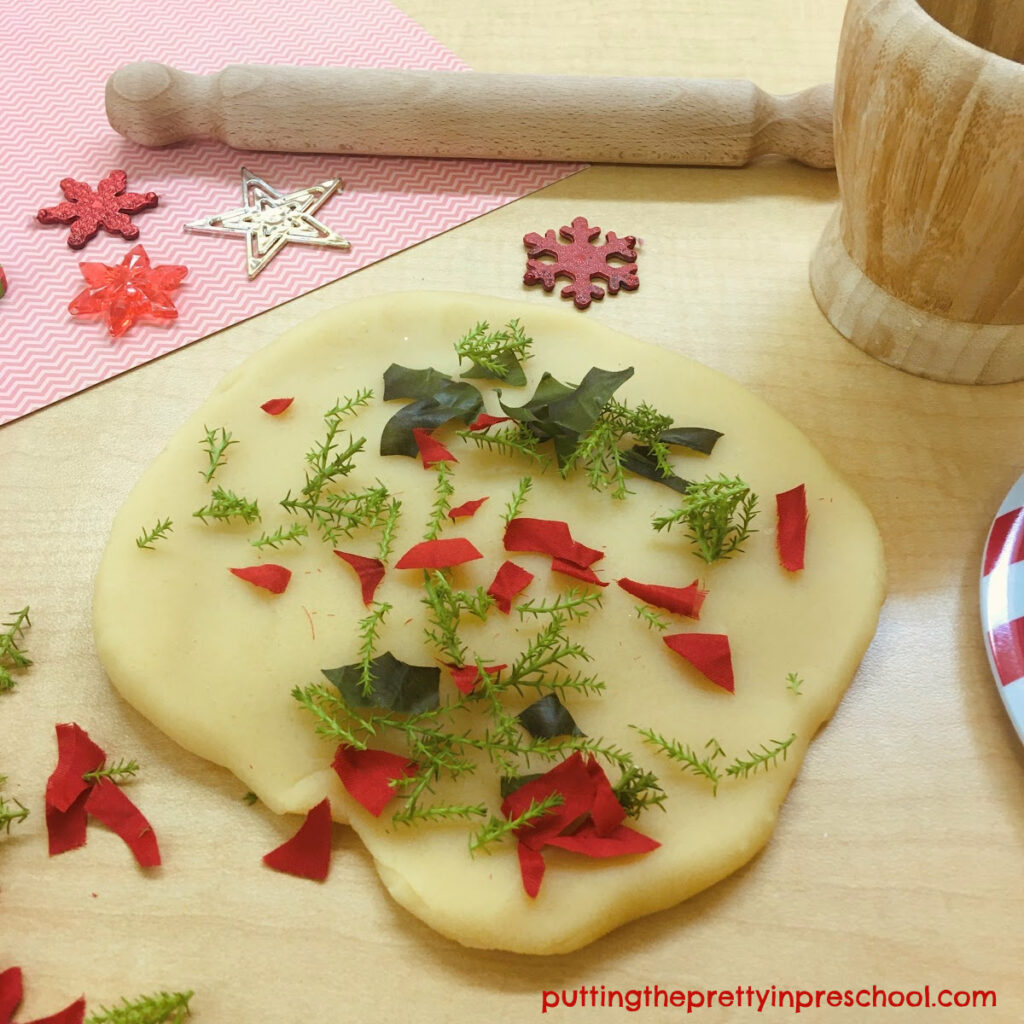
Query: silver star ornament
x=270 y=219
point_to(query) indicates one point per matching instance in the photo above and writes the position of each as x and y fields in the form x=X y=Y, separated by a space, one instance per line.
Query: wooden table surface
x=897 y=858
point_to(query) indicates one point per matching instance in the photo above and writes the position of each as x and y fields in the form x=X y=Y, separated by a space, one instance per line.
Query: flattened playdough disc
x=212 y=659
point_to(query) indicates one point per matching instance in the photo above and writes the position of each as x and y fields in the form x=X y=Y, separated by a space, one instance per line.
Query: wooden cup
x=922 y=265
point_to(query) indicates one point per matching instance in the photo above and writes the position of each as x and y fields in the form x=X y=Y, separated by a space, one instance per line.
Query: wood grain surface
x=897 y=858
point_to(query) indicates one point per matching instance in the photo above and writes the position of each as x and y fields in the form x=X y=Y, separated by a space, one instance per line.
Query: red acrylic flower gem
x=128 y=291
x=107 y=206
x=581 y=261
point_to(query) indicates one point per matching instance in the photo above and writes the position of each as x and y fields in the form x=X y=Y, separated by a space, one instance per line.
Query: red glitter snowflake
x=581 y=261
x=128 y=291
x=87 y=210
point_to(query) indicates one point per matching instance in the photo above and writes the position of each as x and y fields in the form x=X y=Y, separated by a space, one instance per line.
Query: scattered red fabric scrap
x=709 y=653
x=485 y=420
x=73 y=1014
x=681 y=600
x=270 y=577
x=580 y=260
x=438 y=554
x=509 y=581
x=276 y=406
x=109 y=804
x=791 y=538
x=11 y=993
x=589 y=820
x=580 y=572
x=308 y=853
x=87 y=210
x=369 y=570
x=549 y=537
x=70 y=799
x=367 y=775
x=76 y=756
x=466 y=509
x=466 y=677
x=431 y=450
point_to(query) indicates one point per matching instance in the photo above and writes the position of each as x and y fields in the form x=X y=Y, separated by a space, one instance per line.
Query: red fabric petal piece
x=367 y=775
x=438 y=554
x=308 y=853
x=65 y=830
x=73 y=1014
x=572 y=780
x=485 y=420
x=276 y=406
x=369 y=570
x=270 y=576
x=791 y=538
x=708 y=653
x=591 y=843
x=76 y=755
x=466 y=509
x=10 y=993
x=605 y=810
x=549 y=537
x=466 y=677
x=509 y=582
x=681 y=600
x=431 y=450
x=531 y=869
x=580 y=572
x=109 y=804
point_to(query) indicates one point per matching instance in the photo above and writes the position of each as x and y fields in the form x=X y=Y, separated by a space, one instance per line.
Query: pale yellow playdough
x=212 y=660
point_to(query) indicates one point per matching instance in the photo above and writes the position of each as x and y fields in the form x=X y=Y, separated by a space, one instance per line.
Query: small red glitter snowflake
x=128 y=291
x=87 y=210
x=581 y=261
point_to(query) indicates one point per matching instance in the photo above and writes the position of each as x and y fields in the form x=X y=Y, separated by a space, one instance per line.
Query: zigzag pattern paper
x=57 y=55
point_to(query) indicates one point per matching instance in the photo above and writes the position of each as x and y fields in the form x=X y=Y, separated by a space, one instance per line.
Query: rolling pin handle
x=157 y=105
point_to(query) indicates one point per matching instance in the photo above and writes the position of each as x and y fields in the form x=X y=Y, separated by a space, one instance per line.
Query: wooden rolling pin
x=725 y=122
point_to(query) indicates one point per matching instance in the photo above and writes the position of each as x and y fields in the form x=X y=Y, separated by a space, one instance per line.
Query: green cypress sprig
x=226 y=505
x=443 y=491
x=653 y=618
x=685 y=756
x=550 y=649
x=148 y=537
x=638 y=789
x=767 y=757
x=794 y=683
x=160 y=1008
x=519 y=495
x=388 y=524
x=498 y=829
x=369 y=634
x=341 y=514
x=498 y=352
x=446 y=607
x=8 y=815
x=717 y=513
x=13 y=655
x=117 y=772
x=514 y=439
x=282 y=535
x=575 y=603
x=216 y=447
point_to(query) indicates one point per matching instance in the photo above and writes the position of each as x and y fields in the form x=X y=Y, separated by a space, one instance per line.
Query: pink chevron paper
x=54 y=60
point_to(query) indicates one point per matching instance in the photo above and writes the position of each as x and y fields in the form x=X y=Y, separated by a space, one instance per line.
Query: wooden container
x=922 y=265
